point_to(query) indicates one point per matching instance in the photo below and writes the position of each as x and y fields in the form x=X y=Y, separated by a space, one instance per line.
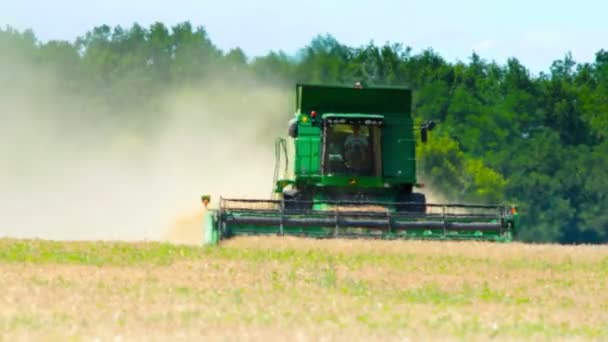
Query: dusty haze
x=72 y=169
x=80 y=163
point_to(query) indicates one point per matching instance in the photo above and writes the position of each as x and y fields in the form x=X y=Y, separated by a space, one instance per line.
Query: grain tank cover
x=330 y=99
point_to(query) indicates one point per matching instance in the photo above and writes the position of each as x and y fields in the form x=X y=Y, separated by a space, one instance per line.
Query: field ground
x=278 y=288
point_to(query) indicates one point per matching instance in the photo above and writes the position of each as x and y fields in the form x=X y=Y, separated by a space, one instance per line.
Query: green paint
x=211 y=235
x=397 y=143
x=352 y=116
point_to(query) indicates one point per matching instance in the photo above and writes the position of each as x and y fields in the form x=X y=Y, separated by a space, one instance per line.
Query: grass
x=274 y=288
x=97 y=254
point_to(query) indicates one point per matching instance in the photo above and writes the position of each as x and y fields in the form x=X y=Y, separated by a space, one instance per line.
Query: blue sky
x=536 y=32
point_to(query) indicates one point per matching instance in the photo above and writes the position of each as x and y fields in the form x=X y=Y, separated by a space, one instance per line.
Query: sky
x=536 y=32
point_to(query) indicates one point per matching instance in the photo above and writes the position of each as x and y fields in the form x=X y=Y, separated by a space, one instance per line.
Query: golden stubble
x=273 y=288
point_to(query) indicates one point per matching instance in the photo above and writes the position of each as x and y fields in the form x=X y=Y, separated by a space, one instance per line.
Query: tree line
x=504 y=135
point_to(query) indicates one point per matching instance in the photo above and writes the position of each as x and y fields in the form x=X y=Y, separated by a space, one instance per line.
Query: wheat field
x=302 y=289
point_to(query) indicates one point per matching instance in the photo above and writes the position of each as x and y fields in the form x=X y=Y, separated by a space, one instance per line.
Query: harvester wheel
x=412 y=202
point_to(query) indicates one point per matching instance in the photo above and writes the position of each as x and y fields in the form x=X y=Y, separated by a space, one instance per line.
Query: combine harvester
x=349 y=170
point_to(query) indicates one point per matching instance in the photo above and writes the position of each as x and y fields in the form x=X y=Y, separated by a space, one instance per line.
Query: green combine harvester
x=348 y=170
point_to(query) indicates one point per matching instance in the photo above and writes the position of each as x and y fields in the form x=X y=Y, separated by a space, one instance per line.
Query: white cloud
x=484 y=45
x=538 y=47
x=547 y=38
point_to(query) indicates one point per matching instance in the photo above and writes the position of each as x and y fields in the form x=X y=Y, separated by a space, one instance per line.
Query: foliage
x=504 y=134
x=458 y=176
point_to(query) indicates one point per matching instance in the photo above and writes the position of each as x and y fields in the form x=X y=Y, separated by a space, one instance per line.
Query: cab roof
x=343 y=100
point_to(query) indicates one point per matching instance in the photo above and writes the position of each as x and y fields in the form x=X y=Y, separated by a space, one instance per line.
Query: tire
x=412 y=202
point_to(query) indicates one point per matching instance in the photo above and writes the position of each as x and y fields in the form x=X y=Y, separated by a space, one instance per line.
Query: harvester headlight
x=304 y=118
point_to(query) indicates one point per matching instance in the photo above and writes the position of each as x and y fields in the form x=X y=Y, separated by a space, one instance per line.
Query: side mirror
x=426 y=127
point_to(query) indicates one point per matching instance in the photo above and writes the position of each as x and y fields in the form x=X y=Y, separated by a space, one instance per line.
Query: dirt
x=187 y=230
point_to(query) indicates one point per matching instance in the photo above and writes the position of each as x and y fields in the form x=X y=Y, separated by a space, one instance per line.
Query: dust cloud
x=433 y=196
x=72 y=169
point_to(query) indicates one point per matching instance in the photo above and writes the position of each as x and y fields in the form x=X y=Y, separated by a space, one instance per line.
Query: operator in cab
x=357 y=152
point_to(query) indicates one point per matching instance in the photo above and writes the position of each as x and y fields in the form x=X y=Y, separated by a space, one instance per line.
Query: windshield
x=352 y=149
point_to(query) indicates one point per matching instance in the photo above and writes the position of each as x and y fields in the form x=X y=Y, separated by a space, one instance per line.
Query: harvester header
x=348 y=169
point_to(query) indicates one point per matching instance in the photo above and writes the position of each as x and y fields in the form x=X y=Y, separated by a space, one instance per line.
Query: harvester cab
x=349 y=170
